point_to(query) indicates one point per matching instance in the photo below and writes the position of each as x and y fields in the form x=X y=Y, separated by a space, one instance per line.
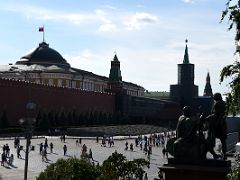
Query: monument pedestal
x=208 y=171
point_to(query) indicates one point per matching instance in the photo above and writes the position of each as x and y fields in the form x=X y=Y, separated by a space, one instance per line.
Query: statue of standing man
x=217 y=127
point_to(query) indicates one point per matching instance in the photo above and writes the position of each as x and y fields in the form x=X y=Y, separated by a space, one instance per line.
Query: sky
x=148 y=37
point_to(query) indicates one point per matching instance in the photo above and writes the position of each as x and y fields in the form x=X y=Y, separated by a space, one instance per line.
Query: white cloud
x=138 y=20
x=108 y=27
x=105 y=21
x=110 y=7
x=188 y=1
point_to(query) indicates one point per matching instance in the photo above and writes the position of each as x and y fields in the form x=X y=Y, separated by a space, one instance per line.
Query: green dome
x=44 y=55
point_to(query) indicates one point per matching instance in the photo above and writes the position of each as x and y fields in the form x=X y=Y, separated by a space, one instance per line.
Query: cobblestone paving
x=36 y=165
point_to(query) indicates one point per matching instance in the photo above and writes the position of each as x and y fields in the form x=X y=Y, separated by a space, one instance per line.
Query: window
x=50 y=82
x=73 y=84
x=37 y=81
x=85 y=85
x=67 y=83
x=59 y=83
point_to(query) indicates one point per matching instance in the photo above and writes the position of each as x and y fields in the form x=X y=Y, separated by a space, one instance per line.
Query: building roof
x=44 y=55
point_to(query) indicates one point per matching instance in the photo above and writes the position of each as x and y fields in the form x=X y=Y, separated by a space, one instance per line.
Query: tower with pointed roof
x=185 y=91
x=115 y=84
x=208 y=88
x=115 y=72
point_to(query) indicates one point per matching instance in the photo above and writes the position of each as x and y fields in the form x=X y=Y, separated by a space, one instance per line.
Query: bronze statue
x=189 y=143
x=217 y=127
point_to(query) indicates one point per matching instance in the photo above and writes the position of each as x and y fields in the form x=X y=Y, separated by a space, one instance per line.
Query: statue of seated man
x=189 y=143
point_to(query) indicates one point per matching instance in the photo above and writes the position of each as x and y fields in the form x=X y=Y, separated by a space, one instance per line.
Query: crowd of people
x=145 y=143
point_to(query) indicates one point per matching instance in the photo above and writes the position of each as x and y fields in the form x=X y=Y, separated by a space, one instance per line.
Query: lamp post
x=28 y=124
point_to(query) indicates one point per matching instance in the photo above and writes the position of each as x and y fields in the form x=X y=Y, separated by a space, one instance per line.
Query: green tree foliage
x=69 y=121
x=4 y=120
x=70 y=169
x=116 y=167
x=86 y=118
x=51 y=118
x=80 y=119
x=44 y=123
x=232 y=13
x=63 y=119
x=74 y=118
x=235 y=172
x=57 y=119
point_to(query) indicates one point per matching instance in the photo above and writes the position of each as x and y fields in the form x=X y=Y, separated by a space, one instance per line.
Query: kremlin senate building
x=67 y=96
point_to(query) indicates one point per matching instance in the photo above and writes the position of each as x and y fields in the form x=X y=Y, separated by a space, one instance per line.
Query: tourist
x=4 y=148
x=140 y=144
x=84 y=148
x=126 y=146
x=64 y=138
x=131 y=147
x=164 y=151
x=148 y=155
x=18 y=152
x=51 y=147
x=46 y=141
x=7 y=149
x=40 y=148
x=45 y=146
x=44 y=155
x=65 y=149
x=150 y=149
x=3 y=159
x=160 y=175
x=145 y=176
x=15 y=142
x=90 y=154
x=10 y=160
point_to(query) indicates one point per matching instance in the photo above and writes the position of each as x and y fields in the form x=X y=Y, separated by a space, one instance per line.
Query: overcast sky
x=147 y=35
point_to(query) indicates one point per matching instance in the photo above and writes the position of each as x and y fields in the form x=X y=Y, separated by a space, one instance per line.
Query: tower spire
x=208 y=88
x=186 y=57
x=115 y=58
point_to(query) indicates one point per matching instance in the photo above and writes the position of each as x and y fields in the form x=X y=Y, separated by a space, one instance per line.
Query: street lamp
x=28 y=125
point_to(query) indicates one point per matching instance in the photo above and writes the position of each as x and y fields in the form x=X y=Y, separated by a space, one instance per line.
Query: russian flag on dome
x=41 y=29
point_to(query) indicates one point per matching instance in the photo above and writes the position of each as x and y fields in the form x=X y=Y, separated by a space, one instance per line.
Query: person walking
x=90 y=154
x=3 y=159
x=44 y=155
x=64 y=138
x=131 y=146
x=126 y=146
x=65 y=149
x=10 y=160
x=51 y=147
x=40 y=148
x=18 y=152
x=145 y=176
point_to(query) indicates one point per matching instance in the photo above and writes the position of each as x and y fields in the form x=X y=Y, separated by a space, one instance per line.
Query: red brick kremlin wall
x=15 y=94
